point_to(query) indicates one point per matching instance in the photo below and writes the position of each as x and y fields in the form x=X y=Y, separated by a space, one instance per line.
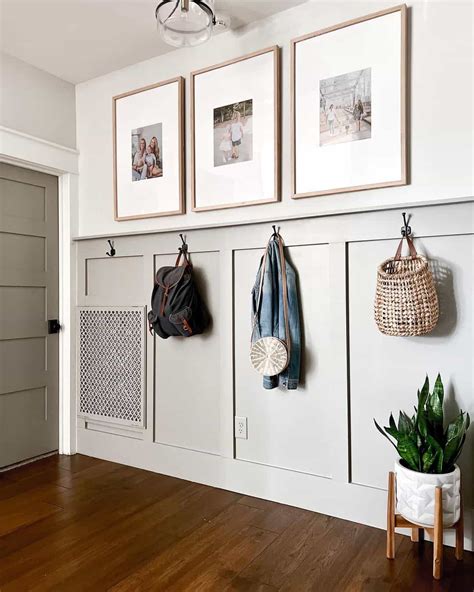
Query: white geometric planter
x=415 y=494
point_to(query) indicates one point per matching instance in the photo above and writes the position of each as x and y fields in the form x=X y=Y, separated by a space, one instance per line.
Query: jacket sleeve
x=291 y=376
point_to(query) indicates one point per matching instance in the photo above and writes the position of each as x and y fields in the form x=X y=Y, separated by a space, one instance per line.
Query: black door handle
x=53 y=326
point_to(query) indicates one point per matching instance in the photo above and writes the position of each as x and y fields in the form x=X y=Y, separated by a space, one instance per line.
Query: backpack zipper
x=187 y=327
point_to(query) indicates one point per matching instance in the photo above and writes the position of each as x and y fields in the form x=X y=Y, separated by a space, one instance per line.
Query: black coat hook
x=405 y=229
x=184 y=246
x=276 y=231
x=112 y=250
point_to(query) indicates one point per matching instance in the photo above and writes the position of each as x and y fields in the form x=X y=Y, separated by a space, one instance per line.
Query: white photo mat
x=163 y=104
x=377 y=43
x=252 y=78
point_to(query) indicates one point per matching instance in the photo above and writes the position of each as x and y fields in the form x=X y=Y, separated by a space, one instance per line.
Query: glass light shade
x=185 y=28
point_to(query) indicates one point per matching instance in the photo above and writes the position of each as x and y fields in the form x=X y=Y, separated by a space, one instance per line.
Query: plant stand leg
x=460 y=535
x=417 y=535
x=438 y=535
x=391 y=516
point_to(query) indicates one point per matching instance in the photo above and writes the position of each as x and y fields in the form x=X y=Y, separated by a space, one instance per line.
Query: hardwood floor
x=78 y=523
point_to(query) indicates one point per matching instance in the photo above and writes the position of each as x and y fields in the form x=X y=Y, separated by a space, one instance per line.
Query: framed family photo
x=235 y=132
x=348 y=110
x=148 y=144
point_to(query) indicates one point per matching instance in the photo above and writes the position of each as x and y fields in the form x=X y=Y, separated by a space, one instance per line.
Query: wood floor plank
x=241 y=584
x=286 y=553
x=275 y=517
x=141 y=534
x=98 y=561
x=221 y=567
x=200 y=508
x=77 y=524
x=323 y=561
x=373 y=572
x=175 y=562
x=80 y=504
x=77 y=536
x=16 y=514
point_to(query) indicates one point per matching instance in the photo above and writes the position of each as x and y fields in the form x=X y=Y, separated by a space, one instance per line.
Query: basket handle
x=411 y=246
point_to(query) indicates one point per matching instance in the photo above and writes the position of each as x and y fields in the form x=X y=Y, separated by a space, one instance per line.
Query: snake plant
x=421 y=440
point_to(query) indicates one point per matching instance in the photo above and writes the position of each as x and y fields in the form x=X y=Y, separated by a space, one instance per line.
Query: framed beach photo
x=348 y=109
x=148 y=127
x=235 y=132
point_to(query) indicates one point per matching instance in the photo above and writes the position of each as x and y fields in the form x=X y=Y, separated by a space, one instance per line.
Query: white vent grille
x=112 y=364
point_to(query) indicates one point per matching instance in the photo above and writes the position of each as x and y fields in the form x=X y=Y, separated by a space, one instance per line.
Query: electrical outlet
x=240 y=427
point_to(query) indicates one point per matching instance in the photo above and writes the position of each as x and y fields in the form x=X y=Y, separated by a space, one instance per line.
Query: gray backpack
x=176 y=305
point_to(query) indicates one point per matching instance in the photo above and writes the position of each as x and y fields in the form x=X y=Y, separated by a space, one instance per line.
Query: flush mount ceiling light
x=184 y=23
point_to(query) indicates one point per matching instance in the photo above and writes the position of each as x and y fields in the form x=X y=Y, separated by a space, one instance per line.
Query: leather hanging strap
x=260 y=287
x=285 y=295
x=411 y=246
x=182 y=253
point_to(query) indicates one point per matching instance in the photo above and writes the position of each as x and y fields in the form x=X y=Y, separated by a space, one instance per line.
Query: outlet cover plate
x=240 y=427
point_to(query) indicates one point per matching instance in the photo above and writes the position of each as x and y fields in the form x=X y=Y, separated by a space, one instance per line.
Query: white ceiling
x=80 y=39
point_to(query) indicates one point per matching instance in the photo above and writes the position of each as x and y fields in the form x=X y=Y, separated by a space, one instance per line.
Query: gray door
x=29 y=296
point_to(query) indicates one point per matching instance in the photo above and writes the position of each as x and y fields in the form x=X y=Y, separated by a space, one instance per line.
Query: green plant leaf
x=454 y=436
x=458 y=452
x=392 y=423
x=428 y=459
x=420 y=439
x=405 y=425
x=434 y=408
x=439 y=456
x=394 y=433
x=384 y=434
x=408 y=450
x=422 y=424
x=423 y=394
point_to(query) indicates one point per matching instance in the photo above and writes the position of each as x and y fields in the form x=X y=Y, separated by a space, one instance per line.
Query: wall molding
x=28 y=151
x=272 y=220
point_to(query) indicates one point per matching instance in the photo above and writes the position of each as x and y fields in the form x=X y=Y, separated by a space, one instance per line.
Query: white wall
x=36 y=103
x=440 y=109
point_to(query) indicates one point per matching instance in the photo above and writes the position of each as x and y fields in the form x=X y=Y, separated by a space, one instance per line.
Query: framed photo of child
x=149 y=151
x=235 y=132
x=348 y=115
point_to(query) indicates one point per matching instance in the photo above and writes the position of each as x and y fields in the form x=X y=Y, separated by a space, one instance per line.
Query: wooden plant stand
x=417 y=531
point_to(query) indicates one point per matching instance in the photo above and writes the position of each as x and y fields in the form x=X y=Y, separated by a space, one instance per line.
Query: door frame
x=23 y=150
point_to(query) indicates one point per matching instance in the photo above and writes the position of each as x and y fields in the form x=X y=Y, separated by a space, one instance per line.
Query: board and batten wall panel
x=114 y=274
x=287 y=428
x=115 y=280
x=187 y=375
x=386 y=371
x=316 y=447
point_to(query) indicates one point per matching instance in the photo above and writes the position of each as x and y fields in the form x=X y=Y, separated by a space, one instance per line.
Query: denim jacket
x=271 y=320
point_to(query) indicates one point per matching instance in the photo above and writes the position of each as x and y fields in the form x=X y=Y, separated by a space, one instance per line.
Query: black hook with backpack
x=177 y=308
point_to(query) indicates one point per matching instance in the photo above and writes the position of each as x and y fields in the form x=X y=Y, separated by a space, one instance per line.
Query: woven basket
x=406 y=302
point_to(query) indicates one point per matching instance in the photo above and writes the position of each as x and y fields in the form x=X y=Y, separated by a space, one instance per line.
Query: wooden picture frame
x=403 y=177
x=274 y=51
x=177 y=127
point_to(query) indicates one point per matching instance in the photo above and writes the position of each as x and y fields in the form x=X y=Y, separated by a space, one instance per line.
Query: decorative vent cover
x=111 y=364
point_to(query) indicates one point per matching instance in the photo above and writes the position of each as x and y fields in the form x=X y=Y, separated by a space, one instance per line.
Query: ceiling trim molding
x=20 y=148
